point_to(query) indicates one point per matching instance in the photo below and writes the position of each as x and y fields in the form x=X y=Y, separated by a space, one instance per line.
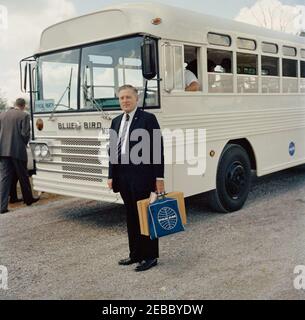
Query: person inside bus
x=226 y=65
x=211 y=65
x=191 y=82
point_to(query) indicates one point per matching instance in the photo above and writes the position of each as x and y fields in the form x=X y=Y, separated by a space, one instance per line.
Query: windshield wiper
x=68 y=88
x=69 y=91
x=98 y=106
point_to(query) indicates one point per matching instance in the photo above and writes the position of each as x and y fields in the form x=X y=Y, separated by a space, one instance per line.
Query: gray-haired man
x=134 y=180
x=14 y=137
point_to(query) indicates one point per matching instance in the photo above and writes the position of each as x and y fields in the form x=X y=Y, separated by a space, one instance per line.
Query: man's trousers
x=7 y=167
x=132 y=189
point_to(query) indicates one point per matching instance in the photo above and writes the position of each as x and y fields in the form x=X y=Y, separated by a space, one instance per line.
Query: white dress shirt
x=131 y=115
x=189 y=77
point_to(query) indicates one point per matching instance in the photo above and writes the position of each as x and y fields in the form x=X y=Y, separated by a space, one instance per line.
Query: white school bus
x=251 y=99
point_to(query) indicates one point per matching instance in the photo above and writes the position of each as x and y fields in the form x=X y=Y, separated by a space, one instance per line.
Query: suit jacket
x=139 y=172
x=14 y=134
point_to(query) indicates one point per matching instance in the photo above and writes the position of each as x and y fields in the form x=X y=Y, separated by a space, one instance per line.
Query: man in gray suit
x=14 y=137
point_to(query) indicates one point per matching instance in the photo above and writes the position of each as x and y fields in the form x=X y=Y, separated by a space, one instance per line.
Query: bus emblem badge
x=291 y=148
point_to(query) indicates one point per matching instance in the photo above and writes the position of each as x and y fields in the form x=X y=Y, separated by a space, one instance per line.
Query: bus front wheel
x=232 y=180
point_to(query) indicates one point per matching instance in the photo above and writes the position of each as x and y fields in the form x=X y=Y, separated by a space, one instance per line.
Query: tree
x=272 y=14
x=3 y=104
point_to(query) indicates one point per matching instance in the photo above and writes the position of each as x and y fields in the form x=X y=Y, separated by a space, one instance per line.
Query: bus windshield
x=88 y=78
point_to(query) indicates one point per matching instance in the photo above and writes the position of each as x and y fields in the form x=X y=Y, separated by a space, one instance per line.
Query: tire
x=233 y=180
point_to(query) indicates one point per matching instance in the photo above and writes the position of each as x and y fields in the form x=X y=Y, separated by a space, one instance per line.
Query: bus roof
x=131 y=18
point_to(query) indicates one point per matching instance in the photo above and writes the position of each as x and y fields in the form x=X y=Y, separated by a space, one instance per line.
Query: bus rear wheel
x=232 y=180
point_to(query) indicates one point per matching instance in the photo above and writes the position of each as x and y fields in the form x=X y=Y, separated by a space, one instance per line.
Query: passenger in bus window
x=211 y=65
x=226 y=65
x=191 y=82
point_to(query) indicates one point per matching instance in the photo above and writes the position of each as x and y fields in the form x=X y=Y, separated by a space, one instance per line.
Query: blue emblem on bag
x=167 y=218
x=164 y=218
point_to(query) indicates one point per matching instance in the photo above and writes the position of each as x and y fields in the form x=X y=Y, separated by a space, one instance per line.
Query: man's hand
x=109 y=182
x=160 y=186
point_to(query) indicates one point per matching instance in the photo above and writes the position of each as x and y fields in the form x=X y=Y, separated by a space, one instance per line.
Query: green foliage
x=3 y=104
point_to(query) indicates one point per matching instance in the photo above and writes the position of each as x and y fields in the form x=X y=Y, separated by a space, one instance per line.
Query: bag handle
x=161 y=195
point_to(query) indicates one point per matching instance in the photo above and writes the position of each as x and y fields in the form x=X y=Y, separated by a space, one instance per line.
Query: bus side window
x=270 y=74
x=246 y=63
x=247 y=73
x=219 y=61
x=302 y=75
x=191 y=82
x=290 y=75
x=219 y=66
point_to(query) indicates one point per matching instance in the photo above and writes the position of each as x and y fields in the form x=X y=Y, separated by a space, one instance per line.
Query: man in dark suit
x=136 y=172
x=14 y=137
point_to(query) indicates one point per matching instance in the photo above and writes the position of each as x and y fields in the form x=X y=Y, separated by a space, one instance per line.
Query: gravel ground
x=68 y=248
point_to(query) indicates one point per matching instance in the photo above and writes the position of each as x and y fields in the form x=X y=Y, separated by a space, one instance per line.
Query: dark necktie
x=123 y=136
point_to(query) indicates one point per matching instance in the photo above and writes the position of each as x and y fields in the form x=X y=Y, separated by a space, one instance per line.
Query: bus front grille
x=81 y=141
x=75 y=152
x=83 y=178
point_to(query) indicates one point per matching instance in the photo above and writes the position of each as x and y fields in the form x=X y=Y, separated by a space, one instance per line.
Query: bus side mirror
x=149 y=58
x=34 y=71
x=23 y=76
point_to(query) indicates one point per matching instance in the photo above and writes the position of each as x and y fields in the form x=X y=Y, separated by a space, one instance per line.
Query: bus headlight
x=37 y=151
x=44 y=151
x=40 y=151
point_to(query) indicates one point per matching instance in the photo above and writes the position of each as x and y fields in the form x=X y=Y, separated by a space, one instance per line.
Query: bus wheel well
x=247 y=146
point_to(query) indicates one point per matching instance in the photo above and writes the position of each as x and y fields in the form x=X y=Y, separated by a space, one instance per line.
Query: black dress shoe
x=4 y=211
x=33 y=201
x=146 y=264
x=15 y=200
x=126 y=262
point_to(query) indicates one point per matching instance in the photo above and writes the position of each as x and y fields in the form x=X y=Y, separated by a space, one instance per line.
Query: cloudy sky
x=26 y=20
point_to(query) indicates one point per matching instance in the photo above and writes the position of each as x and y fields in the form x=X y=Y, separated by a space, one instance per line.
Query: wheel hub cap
x=235 y=179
